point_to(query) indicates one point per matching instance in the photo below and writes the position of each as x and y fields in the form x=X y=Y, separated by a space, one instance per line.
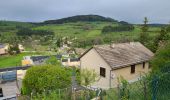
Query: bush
x=119 y=28
x=41 y=78
x=162 y=57
x=30 y=32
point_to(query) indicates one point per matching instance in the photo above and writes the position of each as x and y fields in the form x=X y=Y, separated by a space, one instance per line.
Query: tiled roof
x=124 y=54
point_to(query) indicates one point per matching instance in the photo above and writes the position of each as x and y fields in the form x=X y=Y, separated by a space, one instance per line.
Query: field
x=85 y=30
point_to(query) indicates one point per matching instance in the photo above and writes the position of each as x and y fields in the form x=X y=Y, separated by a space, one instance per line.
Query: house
x=128 y=60
x=21 y=48
x=70 y=62
x=3 y=49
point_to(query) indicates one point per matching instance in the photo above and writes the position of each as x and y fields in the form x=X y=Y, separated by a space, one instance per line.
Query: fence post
x=59 y=93
x=119 y=96
x=65 y=93
x=101 y=94
x=154 y=87
x=145 y=90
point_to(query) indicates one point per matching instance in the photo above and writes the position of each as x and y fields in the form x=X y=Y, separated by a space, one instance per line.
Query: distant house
x=129 y=60
x=70 y=62
x=3 y=49
x=21 y=48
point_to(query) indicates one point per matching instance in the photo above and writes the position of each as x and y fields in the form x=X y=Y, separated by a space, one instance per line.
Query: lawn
x=14 y=60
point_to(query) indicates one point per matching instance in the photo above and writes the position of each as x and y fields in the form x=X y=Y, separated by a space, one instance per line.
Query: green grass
x=78 y=30
x=14 y=60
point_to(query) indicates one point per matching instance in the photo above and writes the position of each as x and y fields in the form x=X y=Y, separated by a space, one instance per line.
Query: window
x=143 y=65
x=132 y=69
x=102 y=72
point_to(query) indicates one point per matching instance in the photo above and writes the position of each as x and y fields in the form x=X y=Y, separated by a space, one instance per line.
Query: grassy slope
x=77 y=30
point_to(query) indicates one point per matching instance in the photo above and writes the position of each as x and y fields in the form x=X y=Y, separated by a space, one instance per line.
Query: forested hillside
x=78 y=18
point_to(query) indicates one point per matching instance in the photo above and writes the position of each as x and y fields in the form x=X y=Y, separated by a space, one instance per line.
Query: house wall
x=2 y=51
x=93 y=61
x=26 y=62
x=126 y=73
x=21 y=74
x=74 y=63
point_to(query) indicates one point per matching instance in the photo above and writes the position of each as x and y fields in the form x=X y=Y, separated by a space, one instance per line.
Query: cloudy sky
x=157 y=11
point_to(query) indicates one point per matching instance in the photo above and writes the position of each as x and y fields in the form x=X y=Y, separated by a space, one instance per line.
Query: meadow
x=91 y=30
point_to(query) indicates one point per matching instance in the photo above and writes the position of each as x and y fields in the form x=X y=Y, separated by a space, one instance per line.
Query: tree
x=88 y=77
x=143 y=35
x=47 y=77
x=168 y=28
x=13 y=49
x=119 y=28
x=160 y=39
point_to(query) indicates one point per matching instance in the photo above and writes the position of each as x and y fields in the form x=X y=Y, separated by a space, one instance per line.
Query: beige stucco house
x=129 y=60
x=71 y=62
x=3 y=49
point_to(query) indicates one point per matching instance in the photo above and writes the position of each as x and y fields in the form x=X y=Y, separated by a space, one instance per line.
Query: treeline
x=29 y=32
x=119 y=28
x=84 y=18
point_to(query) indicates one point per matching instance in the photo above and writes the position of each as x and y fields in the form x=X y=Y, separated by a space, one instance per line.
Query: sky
x=132 y=11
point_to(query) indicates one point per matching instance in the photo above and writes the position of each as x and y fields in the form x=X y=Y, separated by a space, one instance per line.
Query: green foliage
x=85 y=18
x=52 y=61
x=88 y=77
x=162 y=57
x=78 y=76
x=60 y=94
x=9 y=38
x=13 y=49
x=120 y=28
x=29 y=32
x=143 y=38
x=168 y=28
x=162 y=37
x=124 y=89
x=41 y=78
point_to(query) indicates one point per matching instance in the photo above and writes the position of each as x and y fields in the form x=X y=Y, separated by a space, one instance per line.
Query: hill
x=78 y=18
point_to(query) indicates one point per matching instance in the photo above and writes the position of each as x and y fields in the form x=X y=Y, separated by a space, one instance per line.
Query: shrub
x=162 y=57
x=48 y=77
x=119 y=28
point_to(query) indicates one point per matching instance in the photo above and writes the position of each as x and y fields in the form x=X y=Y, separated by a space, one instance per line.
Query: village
x=129 y=60
x=84 y=50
